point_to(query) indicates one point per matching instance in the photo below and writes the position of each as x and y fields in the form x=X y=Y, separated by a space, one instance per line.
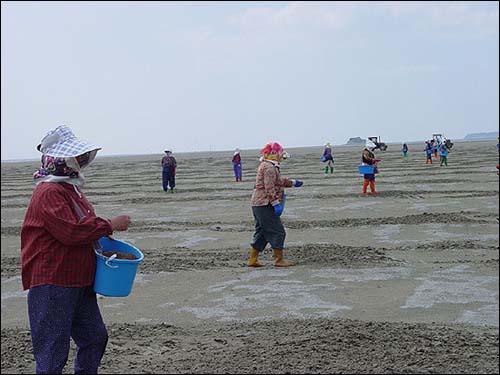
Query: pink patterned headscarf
x=273 y=151
x=52 y=166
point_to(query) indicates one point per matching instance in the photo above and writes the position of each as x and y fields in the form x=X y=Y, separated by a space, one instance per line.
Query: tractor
x=378 y=143
x=440 y=138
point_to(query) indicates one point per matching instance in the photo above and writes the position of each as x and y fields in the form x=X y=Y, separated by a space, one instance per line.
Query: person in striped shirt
x=58 y=236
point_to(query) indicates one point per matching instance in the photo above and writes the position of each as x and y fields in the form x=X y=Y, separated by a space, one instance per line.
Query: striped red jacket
x=57 y=237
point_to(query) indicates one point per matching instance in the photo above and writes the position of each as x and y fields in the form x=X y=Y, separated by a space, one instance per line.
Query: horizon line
x=247 y=149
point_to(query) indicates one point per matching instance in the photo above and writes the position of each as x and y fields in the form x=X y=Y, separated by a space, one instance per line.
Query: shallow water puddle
x=253 y=294
x=458 y=285
x=291 y=293
x=385 y=233
x=364 y=274
x=194 y=240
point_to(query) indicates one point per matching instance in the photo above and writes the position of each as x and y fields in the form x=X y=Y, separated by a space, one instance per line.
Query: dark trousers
x=57 y=314
x=268 y=228
x=168 y=178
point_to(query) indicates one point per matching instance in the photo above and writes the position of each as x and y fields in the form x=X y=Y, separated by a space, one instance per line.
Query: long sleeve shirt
x=327 y=153
x=236 y=159
x=57 y=237
x=367 y=157
x=168 y=162
x=269 y=185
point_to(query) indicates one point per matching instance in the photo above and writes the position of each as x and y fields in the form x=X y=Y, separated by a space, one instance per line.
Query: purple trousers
x=237 y=171
x=57 y=314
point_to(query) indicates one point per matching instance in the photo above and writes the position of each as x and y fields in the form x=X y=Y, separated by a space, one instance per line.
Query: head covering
x=328 y=144
x=61 y=143
x=56 y=170
x=236 y=151
x=370 y=145
x=273 y=152
x=60 y=162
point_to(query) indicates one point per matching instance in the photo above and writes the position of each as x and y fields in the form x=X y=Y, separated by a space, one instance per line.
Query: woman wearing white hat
x=58 y=262
x=327 y=158
x=237 y=165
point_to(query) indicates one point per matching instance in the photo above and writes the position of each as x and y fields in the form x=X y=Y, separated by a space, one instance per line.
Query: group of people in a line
x=433 y=148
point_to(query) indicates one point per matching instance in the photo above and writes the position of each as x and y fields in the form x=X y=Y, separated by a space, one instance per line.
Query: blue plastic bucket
x=366 y=169
x=115 y=277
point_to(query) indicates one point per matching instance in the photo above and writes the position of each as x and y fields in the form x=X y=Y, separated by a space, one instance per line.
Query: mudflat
x=401 y=282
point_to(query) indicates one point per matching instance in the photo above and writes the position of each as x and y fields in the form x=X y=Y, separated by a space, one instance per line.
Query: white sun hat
x=370 y=144
x=62 y=143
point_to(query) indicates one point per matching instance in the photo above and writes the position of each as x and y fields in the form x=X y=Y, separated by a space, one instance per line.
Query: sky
x=139 y=77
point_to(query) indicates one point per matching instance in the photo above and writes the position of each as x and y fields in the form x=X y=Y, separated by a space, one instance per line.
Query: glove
x=278 y=209
x=298 y=183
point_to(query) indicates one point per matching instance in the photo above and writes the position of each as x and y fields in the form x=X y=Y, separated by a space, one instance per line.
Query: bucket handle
x=109 y=260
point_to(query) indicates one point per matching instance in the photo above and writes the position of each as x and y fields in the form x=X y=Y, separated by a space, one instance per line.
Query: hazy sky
x=138 y=77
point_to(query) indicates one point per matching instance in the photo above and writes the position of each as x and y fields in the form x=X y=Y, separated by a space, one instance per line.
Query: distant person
x=405 y=150
x=169 y=167
x=267 y=205
x=428 y=152
x=58 y=261
x=443 y=154
x=368 y=158
x=435 y=148
x=327 y=158
x=237 y=165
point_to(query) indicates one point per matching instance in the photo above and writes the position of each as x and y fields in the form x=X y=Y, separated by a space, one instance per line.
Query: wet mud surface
x=286 y=346
x=426 y=221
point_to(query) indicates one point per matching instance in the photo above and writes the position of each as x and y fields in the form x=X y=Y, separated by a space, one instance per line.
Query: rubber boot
x=331 y=170
x=254 y=255
x=326 y=169
x=365 y=185
x=279 y=262
x=372 y=187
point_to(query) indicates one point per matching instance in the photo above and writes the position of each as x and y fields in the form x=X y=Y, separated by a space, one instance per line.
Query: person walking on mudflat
x=327 y=158
x=443 y=153
x=59 y=236
x=169 y=166
x=428 y=152
x=368 y=158
x=405 y=150
x=237 y=165
x=267 y=205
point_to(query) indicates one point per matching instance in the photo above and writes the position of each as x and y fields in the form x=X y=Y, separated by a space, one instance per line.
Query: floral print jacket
x=269 y=186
